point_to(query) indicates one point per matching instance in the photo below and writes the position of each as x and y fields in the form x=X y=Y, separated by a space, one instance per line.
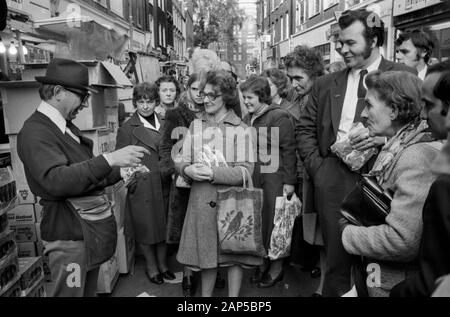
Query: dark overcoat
x=145 y=217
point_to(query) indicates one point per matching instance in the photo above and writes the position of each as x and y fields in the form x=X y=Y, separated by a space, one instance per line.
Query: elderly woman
x=279 y=180
x=304 y=65
x=199 y=239
x=393 y=105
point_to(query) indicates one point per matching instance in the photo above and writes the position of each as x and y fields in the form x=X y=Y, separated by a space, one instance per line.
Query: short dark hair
x=259 y=86
x=367 y=18
x=169 y=79
x=227 y=86
x=400 y=90
x=420 y=40
x=145 y=91
x=442 y=91
x=47 y=92
x=279 y=79
x=306 y=58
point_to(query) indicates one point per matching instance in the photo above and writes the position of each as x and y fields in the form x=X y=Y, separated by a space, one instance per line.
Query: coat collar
x=147 y=136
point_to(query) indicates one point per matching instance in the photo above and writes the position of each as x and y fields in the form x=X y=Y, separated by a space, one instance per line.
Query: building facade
x=432 y=16
x=286 y=24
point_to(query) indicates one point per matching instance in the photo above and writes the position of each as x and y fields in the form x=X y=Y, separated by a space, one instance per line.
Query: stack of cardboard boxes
x=19 y=277
x=100 y=123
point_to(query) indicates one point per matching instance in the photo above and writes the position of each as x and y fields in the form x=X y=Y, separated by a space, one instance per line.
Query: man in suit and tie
x=336 y=102
x=60 y=167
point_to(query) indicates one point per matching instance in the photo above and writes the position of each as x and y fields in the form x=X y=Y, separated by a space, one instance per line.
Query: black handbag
x=368 y=204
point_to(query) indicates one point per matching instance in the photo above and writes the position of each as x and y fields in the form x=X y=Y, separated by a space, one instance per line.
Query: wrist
x=110 y=159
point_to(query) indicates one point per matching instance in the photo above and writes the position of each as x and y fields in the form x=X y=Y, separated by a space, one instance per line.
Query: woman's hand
x=288 y=190
x=363 y=140
x=199 y=172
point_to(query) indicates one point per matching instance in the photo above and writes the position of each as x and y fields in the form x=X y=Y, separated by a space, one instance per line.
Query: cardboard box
x=31 y=273
x=125 y=253
x=9 y=272
x=100 y=139
x=108 y=276
x=22 y=214
x=24 y=233
x=38 y=290
x=26 y=197
x=38 y=231
x=3 y=224
x=39 y=212
x=13 y=291
x=8 y=247
x=120 y=197
x=27 y=249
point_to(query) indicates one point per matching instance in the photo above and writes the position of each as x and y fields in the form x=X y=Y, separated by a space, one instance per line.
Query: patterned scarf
x=410 y=134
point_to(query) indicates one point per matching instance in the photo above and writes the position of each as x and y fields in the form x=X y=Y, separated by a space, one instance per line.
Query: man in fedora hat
x=78 y=227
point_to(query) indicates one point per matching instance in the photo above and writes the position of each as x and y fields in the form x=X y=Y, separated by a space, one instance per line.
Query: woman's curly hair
x=226 y=84
x=279 y=79
x=400 y=90
x=306 y=58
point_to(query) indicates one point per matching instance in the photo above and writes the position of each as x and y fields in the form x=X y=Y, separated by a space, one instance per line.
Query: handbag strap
x=245 y=173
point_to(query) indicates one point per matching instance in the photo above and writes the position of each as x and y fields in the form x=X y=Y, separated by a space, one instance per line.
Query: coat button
x=212 y=204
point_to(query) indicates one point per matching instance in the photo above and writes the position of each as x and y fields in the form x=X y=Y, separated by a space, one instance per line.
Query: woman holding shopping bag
x=275 y=173
x=199 y=248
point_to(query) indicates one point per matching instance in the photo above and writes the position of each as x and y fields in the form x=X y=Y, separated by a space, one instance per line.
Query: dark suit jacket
x=57 y=168
x=319 y=123
x=434 y=254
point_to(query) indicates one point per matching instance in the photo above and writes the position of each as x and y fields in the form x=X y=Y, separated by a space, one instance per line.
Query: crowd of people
x=309 y=107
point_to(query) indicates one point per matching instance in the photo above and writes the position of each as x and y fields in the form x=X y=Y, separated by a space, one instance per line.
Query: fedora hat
x=66 y=73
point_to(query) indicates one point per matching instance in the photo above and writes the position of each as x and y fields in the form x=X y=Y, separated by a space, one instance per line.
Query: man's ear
x=59 y=93
x=374 y=41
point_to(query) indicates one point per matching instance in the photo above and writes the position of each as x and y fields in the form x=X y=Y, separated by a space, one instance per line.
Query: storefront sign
x=406 y=6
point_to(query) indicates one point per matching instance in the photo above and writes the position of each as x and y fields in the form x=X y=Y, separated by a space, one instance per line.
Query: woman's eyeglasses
x=211 y=97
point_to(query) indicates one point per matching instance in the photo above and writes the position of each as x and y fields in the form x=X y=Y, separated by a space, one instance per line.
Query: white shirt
x=423 y=73
x=56 y=117
x=148 y=125
x=351 y=99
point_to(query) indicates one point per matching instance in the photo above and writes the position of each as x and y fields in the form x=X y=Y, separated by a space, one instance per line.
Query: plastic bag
x=354 y=159
x=285 y=213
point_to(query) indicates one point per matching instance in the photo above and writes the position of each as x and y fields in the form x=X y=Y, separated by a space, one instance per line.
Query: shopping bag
x=239 y=219
x=285 y=213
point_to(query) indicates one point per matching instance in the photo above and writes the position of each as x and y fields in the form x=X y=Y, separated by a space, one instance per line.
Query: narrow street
x=295 y=283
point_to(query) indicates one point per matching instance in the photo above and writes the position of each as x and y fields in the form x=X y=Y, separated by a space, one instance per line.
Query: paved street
x=295 y=283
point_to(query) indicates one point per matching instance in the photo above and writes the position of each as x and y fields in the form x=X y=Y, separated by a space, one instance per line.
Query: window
x=329 y=3
x=314 y=7
x=117 y=7
x=300 y=13
x=351 y=3
x=266 y=8
x=287 y=32
x=282 y=28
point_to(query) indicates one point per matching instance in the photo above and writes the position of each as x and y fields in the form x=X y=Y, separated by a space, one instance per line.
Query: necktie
x=361 y=89
x=72 y=131
x=361 y=96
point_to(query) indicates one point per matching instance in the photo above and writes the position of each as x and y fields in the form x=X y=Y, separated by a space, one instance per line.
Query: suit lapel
x=337 y=96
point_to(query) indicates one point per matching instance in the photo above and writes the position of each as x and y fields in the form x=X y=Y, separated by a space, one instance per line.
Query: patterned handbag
x=239 y=219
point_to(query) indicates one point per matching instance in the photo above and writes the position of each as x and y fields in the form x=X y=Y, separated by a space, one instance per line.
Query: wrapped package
x=129 y=174
x=354 y=159
x=210 y=157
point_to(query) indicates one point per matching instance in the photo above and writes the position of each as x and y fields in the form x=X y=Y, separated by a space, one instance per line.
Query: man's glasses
x=84 y=97
x=211 y=97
